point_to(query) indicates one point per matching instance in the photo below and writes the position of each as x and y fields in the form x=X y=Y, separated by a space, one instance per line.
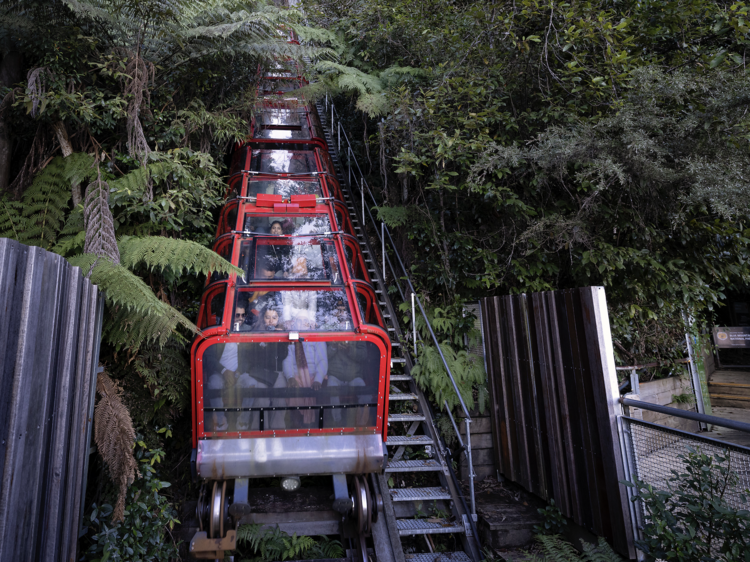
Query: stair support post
x=382 y=253
x=414 y=325
x=467 y=421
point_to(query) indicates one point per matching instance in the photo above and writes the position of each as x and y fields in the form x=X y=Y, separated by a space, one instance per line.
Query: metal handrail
x=695 y=416
x=381 y=233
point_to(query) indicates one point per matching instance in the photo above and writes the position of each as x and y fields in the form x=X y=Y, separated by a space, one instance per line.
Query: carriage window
x=228 y=219
x=325 y=159
x=342 y=218
x=241 y=160
x=368 y=305
x=285 y=188
x=298 y=259
x=269 y=161
x=297 y=310
x=279 y=86
x=334 y=189
x=278 y=226
x=283 y=134
x=273 y=117
x=275 y=385
x=357 y=268
x=212 y=308
x=223 y=246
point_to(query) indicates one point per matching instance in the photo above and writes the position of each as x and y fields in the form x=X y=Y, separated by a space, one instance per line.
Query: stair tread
x=426 y=526
x=413 y=466
x=405 y=417
x=398 y=440
x=403 y=396
x=400 y=377
x=437 y=557
x=416 y=494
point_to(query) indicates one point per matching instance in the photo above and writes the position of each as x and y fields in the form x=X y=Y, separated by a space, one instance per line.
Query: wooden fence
x=555 y=404
x=49 y=351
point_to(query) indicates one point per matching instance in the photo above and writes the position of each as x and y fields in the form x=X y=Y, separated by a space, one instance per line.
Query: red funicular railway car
x=290 y=375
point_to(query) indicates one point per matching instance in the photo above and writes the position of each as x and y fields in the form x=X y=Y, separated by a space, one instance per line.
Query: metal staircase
x=415 y=450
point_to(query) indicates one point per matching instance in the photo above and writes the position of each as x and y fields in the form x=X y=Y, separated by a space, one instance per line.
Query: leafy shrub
x=692 y=520
x=142 y=536
x=553 y=521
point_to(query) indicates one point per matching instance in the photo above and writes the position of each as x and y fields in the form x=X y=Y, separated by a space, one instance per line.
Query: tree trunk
x=10 y=73
x=67 y=150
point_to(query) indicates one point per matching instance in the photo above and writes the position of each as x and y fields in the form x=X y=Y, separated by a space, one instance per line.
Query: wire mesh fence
x=654 y=453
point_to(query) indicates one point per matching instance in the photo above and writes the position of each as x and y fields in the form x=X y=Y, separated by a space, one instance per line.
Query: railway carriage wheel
x=363 y=511
x=216 y=510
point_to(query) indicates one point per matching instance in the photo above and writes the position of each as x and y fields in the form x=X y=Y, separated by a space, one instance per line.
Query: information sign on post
x=732 y=337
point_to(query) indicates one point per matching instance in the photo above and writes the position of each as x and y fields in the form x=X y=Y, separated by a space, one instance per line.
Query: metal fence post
x=693 y=369
x=363 y=207
x=349 y=162
x=339 y=133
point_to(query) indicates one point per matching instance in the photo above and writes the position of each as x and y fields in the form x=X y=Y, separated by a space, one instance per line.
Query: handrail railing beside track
x=364 y=189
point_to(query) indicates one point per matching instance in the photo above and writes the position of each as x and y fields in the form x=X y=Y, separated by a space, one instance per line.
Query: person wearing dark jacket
x=261 y=367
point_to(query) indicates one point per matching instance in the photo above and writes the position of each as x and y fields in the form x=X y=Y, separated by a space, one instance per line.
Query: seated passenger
x=346 y=360
x=276 y=228
x=266 y=269
x=305 y=366
x=270 y=321
x=261 y=300
x=240 y=321
x=226 y=378
x=262 y=363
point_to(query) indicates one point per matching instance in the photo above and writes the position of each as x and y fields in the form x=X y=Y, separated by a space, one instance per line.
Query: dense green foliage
x=537 y=145
x=692 y=519
x=140 y=537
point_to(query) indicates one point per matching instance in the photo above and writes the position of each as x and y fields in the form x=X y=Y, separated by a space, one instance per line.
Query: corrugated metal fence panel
x=554 y=395
x=49 y=347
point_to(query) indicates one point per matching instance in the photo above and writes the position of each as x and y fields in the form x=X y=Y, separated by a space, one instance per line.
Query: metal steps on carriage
x=421 y=434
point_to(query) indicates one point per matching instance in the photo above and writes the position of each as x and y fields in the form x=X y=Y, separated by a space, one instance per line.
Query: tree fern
x=160 y=253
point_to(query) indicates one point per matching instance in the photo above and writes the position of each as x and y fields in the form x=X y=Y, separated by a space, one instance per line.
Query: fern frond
x=161 y=253
x=556 y=549
x=599 y=553
x=99 y=222
x=114 y=437
x=136 y=315
x=12 y=223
